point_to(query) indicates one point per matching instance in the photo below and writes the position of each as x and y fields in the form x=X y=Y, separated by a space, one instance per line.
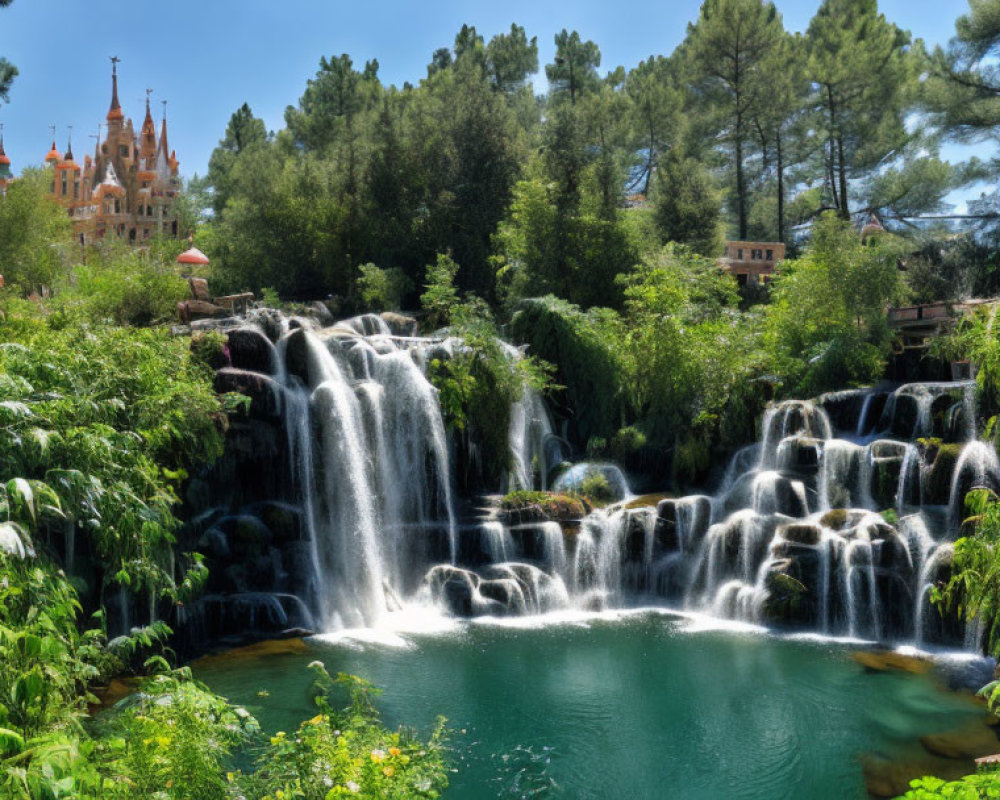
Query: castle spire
x=163 y=131
x=53 y=156
x=115 y=112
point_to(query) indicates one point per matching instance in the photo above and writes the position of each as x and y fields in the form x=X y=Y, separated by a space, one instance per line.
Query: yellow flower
x=394 y=751
x=378 y=756
x=318 y=719
x=163 y=741
x=387 y=771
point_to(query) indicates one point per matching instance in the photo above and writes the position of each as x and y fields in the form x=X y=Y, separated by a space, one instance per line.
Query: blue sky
x=207 y=58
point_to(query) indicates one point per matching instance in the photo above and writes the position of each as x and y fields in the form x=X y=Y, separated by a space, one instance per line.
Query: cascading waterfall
x=370 y=458
x=829 y=523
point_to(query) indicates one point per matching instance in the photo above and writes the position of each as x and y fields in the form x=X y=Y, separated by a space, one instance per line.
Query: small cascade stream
x=834 y=522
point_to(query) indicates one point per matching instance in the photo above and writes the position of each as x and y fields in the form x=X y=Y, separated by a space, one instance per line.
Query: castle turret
x=67 y=179
x=53 y=156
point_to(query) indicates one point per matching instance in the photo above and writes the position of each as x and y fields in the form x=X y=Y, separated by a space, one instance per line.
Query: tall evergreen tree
x=859 y=65
x=729 y=46
x=512 y=58
x=574 y=70
x=244 y=133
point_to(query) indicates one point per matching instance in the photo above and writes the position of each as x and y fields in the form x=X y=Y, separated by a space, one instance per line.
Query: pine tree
x=728 y=47
x=859 y=64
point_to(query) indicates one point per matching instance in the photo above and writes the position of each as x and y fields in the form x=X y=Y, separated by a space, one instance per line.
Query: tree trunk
x=845 y=212
x=781 y=186
x=741 y=199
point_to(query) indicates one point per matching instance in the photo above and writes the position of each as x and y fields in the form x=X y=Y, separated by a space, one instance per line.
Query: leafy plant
x=349 y=752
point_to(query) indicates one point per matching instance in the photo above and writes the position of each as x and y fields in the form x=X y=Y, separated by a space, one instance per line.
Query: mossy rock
x=835 y=519
x=788 y=600
x=528 y=506
x=801 y=533
x=891 y=661
x=937 y=479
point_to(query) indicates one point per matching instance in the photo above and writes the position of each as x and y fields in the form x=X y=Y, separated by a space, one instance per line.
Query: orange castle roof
x=54 y=156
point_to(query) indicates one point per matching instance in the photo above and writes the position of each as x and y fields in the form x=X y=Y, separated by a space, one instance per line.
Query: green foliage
x=688 y=209
x=574 y=71
x=972 y=787
x=826 y=325
x=124 y=287
x=974 y=588
x=172 y=739
x=350 y=753
x=595 y=487
x=110 y=419
x=478 y=384
x=626 y=442
x=34 y=231
x=440 y=295
x=585 y=347
x=382 y=289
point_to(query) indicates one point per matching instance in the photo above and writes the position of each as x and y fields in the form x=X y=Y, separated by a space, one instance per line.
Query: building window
x=741 y=279
x=739 y=254
x=123 y=150
x=770 y=255
x=118 y=210
x=64 y=184
x=76 y=190
x=149 y=211
x=173 y=228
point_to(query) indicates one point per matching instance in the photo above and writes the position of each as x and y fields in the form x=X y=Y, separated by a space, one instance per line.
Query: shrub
x=349 y=753
x=382 y=289
x=555 y=506
x=596 y=488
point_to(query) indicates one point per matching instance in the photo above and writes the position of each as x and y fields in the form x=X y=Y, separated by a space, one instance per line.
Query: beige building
x=752 y=262
x=128 y=188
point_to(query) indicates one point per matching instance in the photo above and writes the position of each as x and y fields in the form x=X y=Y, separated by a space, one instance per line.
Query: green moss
x=890 y=515
x=786 y=598
x=556 y=507
x=835 y=519
x=937 y=480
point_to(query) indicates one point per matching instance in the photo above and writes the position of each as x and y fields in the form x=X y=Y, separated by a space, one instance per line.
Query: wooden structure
x=917 y=325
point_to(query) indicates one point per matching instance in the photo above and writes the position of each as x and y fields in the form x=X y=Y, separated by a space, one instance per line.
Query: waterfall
x=529 y=433
x=370 y=459
x=976 y=466
x=791 y=537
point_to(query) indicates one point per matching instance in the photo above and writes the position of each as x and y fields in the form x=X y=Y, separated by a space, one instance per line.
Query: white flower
x=353 y=787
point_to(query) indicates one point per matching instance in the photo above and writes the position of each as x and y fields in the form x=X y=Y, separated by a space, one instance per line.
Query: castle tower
x=67 y=180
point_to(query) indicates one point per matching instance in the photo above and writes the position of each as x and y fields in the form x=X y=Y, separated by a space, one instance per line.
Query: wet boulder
x=250 y=349
x=264 y=392
x=805 y=533
x=399 y=324
x=800 y=454
x=789 y=602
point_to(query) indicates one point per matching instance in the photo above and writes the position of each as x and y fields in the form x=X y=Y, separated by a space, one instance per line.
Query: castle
x=128 y=188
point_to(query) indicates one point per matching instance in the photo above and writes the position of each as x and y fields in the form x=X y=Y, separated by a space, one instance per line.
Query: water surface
x=641 y=706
